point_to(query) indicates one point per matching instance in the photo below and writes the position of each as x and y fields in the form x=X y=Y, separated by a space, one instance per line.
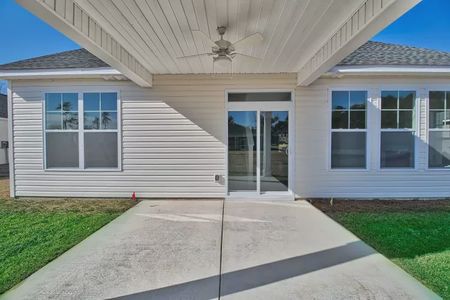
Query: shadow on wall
x=241 y=280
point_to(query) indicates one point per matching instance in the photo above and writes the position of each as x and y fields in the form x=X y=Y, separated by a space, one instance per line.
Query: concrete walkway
x=178 y=250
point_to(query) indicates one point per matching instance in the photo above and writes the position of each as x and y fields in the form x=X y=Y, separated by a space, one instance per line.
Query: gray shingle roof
x=371 y=53
x=73 y=59
x=377 y=53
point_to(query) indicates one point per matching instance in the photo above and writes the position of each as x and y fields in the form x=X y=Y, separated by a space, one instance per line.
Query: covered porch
x=142 y=38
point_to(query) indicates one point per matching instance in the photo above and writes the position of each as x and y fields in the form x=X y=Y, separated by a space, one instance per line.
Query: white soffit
x=307 y=37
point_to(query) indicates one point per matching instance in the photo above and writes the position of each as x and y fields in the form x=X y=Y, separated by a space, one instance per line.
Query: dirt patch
x=85 y=205
x=4 y=188
x=340 y=206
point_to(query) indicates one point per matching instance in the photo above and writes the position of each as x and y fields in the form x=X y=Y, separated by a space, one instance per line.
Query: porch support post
x=74 y=22
x=369 y=19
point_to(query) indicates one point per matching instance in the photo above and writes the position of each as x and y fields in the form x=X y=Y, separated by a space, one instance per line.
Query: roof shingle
x=382 y=54
x=73 y=59
x=371 y=53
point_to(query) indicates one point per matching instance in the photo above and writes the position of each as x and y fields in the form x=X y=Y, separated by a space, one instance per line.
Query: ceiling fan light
x=222 y=58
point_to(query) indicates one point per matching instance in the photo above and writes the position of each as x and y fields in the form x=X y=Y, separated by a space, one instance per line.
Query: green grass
x=418 y=241
x=33 y=233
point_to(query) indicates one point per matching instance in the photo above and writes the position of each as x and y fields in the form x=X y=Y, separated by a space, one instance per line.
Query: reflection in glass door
x=274 y=154
x=242 y=143
x=258 y=163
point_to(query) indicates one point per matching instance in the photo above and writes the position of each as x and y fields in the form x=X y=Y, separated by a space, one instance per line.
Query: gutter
x=106 y=73
x=341 y=71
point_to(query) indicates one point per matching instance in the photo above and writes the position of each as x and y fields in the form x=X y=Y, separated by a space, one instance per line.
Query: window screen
x=100 y=150
x=62 y=149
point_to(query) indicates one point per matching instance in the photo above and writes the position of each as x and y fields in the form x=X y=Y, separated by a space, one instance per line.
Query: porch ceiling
x=304 y=36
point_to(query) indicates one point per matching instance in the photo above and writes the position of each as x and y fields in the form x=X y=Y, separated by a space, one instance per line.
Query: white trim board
x=259 y=106
x=62 y=73
x=340 y=71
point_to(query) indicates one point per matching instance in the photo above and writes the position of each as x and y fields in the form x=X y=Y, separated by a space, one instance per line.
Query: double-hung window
x=81 y=133
x=398 y=129
x=348 y=129
x=62 y=130
x=439 y=129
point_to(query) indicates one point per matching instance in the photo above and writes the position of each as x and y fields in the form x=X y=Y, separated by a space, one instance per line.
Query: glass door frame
x=259 y=107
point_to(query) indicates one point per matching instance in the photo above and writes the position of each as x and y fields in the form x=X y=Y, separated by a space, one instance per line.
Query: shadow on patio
x=236 y=281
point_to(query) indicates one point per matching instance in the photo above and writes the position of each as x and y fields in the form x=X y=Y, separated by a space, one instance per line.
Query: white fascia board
x=352 y=35
x=388 y=70
x=77 y=26
x=59 y=73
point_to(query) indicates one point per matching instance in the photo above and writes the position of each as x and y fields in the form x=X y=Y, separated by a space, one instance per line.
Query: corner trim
x=12 y=185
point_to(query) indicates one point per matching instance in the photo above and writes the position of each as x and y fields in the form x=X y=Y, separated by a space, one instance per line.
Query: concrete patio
x=178 y=250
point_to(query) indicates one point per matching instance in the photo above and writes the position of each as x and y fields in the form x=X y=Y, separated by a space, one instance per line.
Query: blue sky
x=24 y=36
x=426 y=25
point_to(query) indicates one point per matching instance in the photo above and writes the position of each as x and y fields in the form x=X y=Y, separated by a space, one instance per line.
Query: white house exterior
x=345 y=121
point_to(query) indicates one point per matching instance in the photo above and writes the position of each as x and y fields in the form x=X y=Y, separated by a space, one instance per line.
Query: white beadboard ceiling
x=161 y=30
x=140 y=38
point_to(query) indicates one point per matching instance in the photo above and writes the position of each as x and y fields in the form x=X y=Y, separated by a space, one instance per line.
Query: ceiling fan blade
x=237 y=54
x=249 y=41
x=195 y=55
x=203 y=36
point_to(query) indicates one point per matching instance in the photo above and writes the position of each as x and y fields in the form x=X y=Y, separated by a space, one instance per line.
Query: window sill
x=77 y=170
x=397 y=169
x=438 y=169
x=349 y=170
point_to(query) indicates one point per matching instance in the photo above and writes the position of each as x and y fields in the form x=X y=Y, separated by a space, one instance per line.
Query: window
x=262 y=97
x=439 y=129
x=66 y=133
x=348 y=129
x=397 y=129
x=61 y=130
x=100 y=130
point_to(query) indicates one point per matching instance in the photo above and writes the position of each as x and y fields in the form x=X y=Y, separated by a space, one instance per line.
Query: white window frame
x=415 y=129
x=427 y=126
x=331 y=130
x=45 y=130
x=81 y=130
x=270 y=106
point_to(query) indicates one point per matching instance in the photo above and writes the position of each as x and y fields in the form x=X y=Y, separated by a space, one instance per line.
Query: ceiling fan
x=223 y=50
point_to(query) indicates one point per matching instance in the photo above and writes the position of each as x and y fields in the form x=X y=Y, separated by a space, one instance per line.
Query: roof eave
x=60 y=73
x=340 y=71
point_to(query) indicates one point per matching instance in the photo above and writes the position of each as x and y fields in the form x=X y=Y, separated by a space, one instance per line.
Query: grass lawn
x=413 y=234
x=34 y=232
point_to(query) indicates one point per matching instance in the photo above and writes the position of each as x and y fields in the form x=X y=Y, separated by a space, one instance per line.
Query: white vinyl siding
x=172 y=137
x=315 y=179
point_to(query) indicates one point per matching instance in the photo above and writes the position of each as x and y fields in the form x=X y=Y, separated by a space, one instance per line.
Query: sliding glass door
x=274 y=151
x=242 y=155
x=258 y=150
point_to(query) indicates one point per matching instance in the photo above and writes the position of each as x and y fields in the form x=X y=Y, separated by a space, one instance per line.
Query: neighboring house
x=320 y=113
